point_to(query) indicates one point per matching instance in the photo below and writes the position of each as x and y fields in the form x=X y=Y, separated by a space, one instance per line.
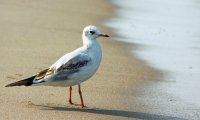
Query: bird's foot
x=83 y=106
x=70 y=102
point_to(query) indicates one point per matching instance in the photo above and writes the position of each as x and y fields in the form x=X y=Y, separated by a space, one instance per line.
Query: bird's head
x=92 y=32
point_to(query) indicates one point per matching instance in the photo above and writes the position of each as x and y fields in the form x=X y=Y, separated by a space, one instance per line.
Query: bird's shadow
x=120 y=113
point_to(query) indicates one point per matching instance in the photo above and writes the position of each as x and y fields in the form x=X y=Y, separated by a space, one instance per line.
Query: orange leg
x=80 y=93
x=70 y=95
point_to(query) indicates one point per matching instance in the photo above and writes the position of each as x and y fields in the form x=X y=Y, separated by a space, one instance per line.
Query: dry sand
x=34 y=34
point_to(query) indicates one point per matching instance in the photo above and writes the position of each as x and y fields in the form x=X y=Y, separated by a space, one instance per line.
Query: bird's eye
x=92 y=32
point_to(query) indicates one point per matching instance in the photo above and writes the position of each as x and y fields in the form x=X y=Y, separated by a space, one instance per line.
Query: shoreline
x=175 y=92
x=110 y=94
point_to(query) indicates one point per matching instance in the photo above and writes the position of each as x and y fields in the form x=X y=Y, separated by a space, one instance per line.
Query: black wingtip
x=25 y=82
x=9 y=85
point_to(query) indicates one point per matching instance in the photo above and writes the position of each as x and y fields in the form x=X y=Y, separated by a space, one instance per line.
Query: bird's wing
x=75 y=62
x=69 y=67
x=40 y=75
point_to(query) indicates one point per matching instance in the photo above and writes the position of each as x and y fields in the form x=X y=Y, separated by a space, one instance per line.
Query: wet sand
x=36 y=33
x=157 y=28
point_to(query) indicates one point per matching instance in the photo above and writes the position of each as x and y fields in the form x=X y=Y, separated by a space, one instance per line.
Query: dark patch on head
x=86 y=33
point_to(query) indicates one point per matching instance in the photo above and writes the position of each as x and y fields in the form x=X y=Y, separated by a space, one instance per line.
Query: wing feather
x=75 y=63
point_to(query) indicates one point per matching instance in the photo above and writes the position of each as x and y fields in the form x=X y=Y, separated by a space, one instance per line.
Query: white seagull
x=73 y=68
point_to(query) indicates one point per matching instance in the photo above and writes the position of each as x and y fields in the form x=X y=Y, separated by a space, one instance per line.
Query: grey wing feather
x=72 y=66
x=75 y=63
x=64 y=71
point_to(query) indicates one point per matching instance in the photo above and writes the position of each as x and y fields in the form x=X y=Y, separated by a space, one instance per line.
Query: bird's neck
x=89 y=43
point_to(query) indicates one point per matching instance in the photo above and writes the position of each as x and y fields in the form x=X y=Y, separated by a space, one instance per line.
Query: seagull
x=73 y=68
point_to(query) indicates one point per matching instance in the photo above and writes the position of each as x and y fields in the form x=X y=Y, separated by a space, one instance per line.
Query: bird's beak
x=103 y=35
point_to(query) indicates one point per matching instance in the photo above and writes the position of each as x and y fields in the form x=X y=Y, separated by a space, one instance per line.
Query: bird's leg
x=80 y=93
x=70 y=94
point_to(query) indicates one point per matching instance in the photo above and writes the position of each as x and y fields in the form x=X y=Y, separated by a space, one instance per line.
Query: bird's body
x=81 y=64
x=73 y=68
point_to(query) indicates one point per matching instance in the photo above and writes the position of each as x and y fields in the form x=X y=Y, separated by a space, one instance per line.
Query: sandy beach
x=34 y=34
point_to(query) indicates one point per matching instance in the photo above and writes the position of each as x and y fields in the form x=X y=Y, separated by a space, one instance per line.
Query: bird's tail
x=25 y=82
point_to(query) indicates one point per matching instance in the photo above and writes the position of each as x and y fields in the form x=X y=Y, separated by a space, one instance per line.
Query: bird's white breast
x=95 y=53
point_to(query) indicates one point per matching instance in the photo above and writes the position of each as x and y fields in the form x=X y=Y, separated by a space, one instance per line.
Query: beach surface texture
x=34 y=34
